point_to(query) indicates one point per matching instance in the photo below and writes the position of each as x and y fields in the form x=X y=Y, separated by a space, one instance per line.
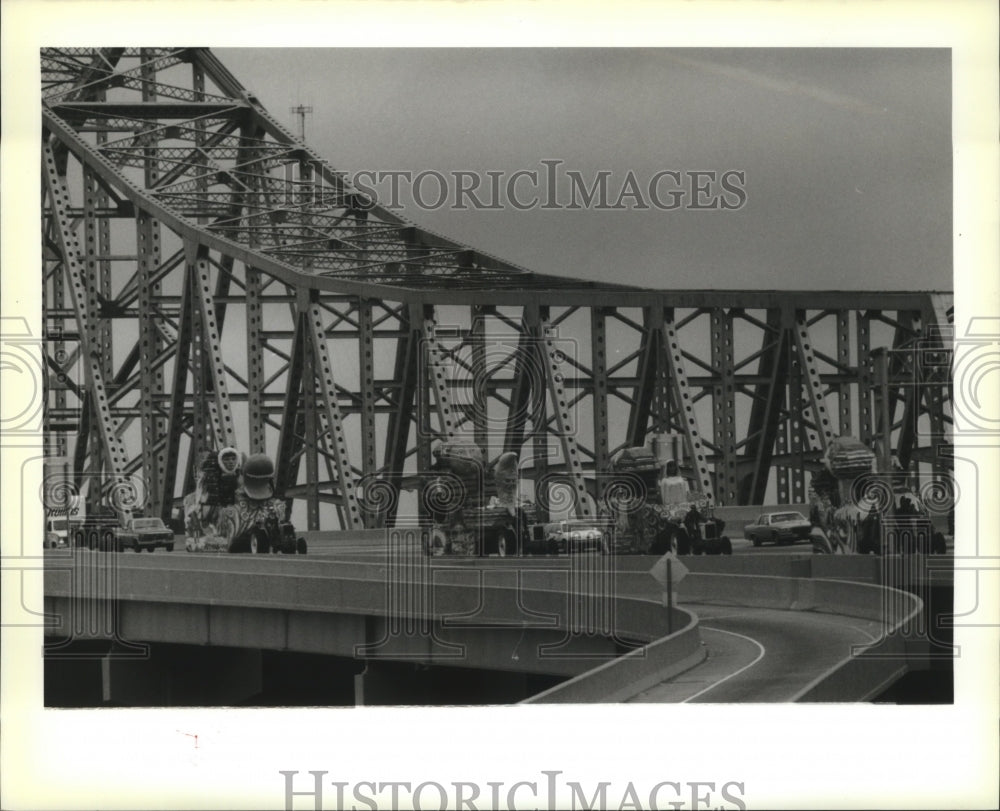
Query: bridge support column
x=395 y=683
x=376 y=684
x=181 y=675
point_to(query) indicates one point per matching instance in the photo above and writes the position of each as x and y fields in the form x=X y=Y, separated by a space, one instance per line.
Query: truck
x=141 y=532
x=472 y=503
x=908 y=528
x=856 y=509
x=474 y=510
x=63 y=508
x=654 y=509
x=59 y=529
x=234 y=508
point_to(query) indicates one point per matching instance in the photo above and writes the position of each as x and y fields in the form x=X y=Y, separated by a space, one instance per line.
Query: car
x=569 y=535
x=778 y=527
x=145 y=533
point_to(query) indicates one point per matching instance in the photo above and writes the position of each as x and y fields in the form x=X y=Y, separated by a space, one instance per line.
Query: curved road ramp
x=882 y=622
x=606 y=632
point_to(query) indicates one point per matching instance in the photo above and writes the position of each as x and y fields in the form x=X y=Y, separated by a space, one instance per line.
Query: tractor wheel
x=507 y=543
x=258 y=545
x=439 y=542
x=938 y=544
x=300 y=546
x=727 y=546
x=683 y=542
x=661 y=543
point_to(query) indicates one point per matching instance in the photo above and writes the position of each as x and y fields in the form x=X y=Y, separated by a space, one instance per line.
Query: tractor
x=655 y=511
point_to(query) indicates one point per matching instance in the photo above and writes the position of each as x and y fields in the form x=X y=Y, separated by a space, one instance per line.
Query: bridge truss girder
x=239 y=292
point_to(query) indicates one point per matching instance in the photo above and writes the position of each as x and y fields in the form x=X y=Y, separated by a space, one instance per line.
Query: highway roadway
x=754 y=655
x=758 y=655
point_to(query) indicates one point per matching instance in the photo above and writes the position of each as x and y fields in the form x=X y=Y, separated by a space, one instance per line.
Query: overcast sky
x=845 y=154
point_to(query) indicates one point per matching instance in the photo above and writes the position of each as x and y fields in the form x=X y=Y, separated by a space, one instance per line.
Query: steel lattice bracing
x=210 y=280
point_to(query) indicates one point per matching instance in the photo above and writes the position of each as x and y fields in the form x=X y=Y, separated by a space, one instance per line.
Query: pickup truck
x=145 y=533
x=58 y=531
x=778 y=527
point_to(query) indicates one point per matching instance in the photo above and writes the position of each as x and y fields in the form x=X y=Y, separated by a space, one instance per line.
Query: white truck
x=58 y=529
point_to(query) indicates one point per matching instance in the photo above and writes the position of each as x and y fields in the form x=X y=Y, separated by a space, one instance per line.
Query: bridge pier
x=395 y=683
x=182 y=675
x=375 y=685
x=170 y=675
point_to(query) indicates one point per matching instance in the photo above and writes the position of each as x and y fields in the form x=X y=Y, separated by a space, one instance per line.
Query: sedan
x=568 y=536
x=146 y=533
x=779 y=528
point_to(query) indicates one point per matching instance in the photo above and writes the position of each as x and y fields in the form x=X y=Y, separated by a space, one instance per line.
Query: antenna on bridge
x=301 y=111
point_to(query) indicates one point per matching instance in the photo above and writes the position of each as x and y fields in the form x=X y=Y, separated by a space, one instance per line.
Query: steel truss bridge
x=211 y=281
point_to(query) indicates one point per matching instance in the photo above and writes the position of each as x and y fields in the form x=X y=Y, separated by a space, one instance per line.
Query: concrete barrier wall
x=354 y=589
x=799 y=594
x=629 y=675
x=896 y=570
x=737 y=517
x=334 y=614
x=861 y=677
x=374 y=538
x=784 y=565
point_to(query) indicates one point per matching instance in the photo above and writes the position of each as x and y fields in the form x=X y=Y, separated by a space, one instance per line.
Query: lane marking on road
x=760 y=656
x=815 y=617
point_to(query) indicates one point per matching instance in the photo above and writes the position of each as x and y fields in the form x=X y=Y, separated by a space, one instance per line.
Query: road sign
x=676 y=571
x=668 y=571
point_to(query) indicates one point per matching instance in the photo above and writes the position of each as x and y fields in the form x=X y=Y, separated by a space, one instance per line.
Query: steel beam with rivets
x=683 y=399
x=814 y=388
x=553 y=371
x=438 y=371
x=69 y=246
x=337 y=440
x=219 y=411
